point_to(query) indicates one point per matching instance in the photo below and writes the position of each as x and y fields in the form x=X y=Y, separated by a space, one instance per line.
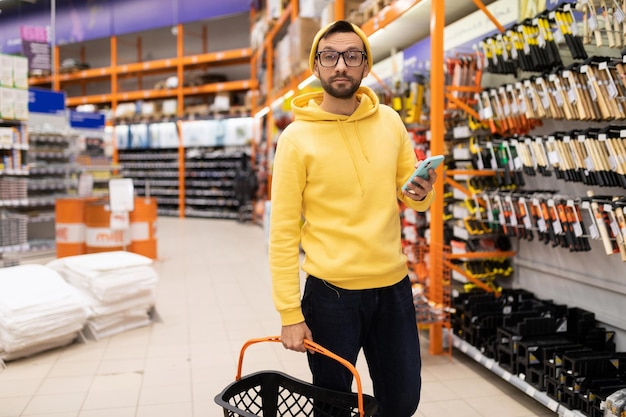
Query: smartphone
x=422 y=170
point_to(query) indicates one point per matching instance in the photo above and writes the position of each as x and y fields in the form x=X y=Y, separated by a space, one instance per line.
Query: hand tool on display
x=553 y=157
x=574 y=91
x=523 y=59
x=525 y=103
x=538 y=106
x=547 y=99
x=599 y=221
x=559 y=158
x=516 y=217
x=542 y=22
x=486 y=111
x=607 y=23
x=600 y=80
x=415 y=101
x=594 y=22
x=606 y=158
x=585 y=148
x=515 y=163
x=500 y=112
x=501 y=216
x=543 y=221
x=525 y=218
x=564 y=18
x=555 y=229
x=618 y=19
x=575 y=217
x=553 y=82
x=618 y=205
x=598 y=101
x=591 y=143
x=615 y=228
x=613 y=87
x=531 y=39
x=611 y=138
x=541 y=157
x=569 y=240
x=527 y=162
x=570 y=145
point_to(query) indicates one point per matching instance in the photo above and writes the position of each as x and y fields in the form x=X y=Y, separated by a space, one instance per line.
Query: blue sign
x=45 y=101
x=84 y=120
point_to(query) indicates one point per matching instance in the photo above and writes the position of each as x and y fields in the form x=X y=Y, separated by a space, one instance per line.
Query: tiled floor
x=214 y=294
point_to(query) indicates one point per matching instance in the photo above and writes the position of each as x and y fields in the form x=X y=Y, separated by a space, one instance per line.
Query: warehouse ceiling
x=13 y=4
x=415 y=26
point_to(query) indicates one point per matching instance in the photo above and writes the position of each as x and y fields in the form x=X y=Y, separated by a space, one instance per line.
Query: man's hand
x=418 y=188
x=293 y=336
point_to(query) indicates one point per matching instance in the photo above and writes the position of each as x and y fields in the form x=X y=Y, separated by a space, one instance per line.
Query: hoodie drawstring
x=352 y=156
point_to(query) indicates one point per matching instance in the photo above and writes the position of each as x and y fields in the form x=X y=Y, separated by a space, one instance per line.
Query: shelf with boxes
x=154 y=73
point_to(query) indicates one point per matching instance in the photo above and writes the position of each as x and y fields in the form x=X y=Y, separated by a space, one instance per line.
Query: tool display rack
x=155 y=173
x=43 y=170
x=210 y=182
x=53 y=173
x=13 y=194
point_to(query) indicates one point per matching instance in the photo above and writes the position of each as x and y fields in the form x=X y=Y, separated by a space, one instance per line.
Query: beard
x=343 y=92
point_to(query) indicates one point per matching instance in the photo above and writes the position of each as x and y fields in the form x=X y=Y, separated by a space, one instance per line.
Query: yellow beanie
x=323 y=31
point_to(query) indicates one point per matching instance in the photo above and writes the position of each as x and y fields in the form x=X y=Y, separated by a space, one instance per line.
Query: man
x=338 y=172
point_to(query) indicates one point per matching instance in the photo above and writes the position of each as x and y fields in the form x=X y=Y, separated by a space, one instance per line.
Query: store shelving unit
x=514 y=380
x=53 y=173
x=210 y=182
x=155 y=173
x=14 y=195
x=178 y=65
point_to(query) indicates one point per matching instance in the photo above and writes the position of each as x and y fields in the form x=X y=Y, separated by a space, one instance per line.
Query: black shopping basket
x=274 y=394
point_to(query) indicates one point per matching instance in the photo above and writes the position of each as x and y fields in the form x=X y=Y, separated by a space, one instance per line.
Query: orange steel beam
x=437 y=88
x=470 y=278
x=56 y=84
x=181 y=171
x=180 y=73
x=481 y=255
x=339 y=10
x=491 y=17
x=455 y=184
x=463 y=106
x=381 y=82
x=472 y=172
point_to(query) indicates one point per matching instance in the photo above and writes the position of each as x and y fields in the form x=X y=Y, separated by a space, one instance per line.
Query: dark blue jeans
x=382 y=322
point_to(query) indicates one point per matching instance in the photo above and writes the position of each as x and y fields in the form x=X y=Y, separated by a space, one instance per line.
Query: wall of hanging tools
x=546 y=136
x=535 y=182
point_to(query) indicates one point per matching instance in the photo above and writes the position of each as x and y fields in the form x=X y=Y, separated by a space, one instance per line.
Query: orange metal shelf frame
x=176 y=64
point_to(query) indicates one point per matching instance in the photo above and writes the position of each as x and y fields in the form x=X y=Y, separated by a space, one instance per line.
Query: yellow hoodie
x=342 y=175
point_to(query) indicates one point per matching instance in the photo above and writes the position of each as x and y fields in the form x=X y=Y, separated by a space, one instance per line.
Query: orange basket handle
x=310 y=345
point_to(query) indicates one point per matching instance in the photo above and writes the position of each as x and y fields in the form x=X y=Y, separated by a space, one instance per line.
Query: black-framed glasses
x=331 y=58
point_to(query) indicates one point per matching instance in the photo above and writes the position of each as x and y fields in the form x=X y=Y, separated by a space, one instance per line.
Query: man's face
x=341 y=81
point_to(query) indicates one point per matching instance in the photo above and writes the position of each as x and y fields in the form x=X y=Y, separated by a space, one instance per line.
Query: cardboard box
x=20 y=104
x=7 y=98
x=301 y=33
x=20 y=72
x=311 y=8
x=6 y=70
x=349 y=7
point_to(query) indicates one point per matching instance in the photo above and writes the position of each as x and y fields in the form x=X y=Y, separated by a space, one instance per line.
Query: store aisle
x=214 y=294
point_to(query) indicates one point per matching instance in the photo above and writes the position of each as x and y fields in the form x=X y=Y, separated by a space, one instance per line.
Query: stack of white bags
x=118 y=288
x=38 y=311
